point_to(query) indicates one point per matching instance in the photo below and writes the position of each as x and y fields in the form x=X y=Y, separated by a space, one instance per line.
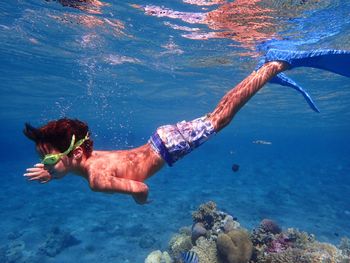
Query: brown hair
x=59 y=133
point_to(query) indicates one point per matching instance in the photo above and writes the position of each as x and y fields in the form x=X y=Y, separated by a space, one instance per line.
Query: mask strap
x=70 y=148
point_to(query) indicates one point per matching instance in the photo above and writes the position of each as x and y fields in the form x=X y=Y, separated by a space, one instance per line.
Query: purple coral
x=270 y=226
x=281 y=243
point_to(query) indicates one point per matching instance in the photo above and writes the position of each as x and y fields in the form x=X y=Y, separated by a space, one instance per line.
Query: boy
x=66 y=147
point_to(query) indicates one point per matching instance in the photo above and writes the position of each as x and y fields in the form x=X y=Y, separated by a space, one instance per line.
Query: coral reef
x=217 y=237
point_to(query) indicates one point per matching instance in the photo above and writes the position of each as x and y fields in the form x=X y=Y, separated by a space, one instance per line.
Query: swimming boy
x=65 y=145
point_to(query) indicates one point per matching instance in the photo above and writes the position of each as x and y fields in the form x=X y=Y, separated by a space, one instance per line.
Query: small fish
x=262 y=142
x=189 y=257
x=235 y=167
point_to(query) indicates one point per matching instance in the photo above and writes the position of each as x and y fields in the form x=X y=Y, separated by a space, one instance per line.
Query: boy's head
x=56 y=136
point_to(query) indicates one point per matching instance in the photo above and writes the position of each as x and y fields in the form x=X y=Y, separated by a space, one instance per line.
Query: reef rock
x=198 y=230
x=13 y=252
x=147 y=241
x=56 y=242
x=158 y=257
x=344 y=246
x=235 y=246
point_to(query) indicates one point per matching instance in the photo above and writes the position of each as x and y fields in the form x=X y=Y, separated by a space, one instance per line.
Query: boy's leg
x=233 y=101
x=172 y=142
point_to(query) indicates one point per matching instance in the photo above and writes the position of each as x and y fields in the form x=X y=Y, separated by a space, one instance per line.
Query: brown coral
x=235 y=246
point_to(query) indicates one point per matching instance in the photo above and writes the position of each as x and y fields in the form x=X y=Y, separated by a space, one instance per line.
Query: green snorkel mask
x=53 y=158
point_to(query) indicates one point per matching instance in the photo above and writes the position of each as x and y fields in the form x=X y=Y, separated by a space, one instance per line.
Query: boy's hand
x=38 y=173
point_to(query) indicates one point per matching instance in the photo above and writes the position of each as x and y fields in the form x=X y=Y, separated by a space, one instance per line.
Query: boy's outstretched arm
x=111 y=184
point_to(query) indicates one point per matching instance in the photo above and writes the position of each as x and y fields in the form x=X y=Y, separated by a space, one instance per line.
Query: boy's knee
x=219 y=122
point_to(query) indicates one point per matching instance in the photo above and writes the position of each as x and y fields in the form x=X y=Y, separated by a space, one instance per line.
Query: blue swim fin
x=336 y=61
x=283 y=80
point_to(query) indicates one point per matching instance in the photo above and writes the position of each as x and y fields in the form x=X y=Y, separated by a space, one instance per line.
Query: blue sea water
x=127 y=70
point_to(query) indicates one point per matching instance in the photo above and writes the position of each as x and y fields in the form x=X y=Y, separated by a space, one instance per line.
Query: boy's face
x=61 y=168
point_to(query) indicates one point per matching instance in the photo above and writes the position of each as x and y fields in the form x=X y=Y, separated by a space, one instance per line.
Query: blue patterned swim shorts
x=172 y=142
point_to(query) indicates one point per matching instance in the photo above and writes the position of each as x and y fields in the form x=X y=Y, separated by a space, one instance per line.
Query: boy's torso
x=136 y=164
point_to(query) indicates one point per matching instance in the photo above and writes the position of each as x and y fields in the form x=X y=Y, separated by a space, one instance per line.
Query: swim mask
x=53 y=158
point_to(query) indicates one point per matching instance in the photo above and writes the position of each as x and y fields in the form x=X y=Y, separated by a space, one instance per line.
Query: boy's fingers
x=39 y=165
x=44 y=181
x=34 y=169
x=39 y=177
x=33 y=174
x=34 y=178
